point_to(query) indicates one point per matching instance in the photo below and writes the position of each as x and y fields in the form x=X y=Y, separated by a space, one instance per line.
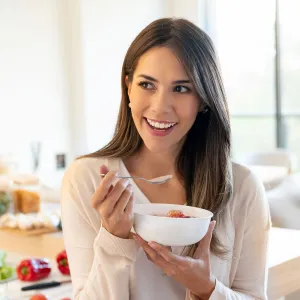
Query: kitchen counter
x=46 y=245
x=14 y=287
x=284 y=255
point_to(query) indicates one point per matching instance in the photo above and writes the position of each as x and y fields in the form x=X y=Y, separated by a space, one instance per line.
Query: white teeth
x=160 y=125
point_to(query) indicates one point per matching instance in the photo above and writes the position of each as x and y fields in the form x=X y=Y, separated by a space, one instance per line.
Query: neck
x=152 y=164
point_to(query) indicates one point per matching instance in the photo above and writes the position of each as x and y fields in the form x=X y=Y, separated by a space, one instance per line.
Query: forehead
x=161 y=62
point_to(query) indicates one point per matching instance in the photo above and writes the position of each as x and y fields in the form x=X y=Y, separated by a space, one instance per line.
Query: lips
x=167 y=128
x=160 y=125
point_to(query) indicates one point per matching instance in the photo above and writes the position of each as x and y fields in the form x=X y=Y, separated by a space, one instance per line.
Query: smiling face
x=163 y=101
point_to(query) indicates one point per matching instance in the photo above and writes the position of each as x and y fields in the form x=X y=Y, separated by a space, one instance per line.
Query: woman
x=174 y=120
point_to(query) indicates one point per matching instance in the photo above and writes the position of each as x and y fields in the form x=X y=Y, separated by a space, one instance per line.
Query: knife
x=44 y=285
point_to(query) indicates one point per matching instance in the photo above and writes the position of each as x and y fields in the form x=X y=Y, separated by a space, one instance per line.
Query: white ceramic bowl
x=171 y=231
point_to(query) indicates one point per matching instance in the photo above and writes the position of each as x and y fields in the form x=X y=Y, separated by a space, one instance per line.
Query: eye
x=146 y=85
x=181 y=89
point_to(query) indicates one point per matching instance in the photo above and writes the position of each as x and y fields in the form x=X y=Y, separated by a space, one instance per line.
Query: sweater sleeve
x=250 y=281
x=100 y=262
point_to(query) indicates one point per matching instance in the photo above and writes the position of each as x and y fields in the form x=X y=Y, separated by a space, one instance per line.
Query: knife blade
x=43 y=285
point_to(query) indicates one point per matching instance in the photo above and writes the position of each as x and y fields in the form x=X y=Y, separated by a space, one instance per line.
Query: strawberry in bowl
x=176 y=214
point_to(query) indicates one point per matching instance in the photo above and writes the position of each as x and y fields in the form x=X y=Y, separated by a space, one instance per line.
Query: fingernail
x=130 y=188
x=125 y=182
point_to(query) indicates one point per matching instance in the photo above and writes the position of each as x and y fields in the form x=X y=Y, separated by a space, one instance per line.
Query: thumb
x=204 y=244
x=103 y=169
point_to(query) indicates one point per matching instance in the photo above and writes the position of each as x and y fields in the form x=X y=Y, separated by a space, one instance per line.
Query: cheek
x=188 y=112
x=138 y=102
x=136 y=109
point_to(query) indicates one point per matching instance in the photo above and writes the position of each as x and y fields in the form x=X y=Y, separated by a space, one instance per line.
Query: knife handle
x=39 y=286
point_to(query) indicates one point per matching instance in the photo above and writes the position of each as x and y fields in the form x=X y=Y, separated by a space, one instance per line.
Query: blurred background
x=60 y=70
x=61 y=63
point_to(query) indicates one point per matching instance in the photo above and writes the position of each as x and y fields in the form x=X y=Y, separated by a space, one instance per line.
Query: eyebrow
x=155 y=80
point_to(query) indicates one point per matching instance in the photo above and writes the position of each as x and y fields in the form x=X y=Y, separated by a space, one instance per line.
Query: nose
x=161 y=102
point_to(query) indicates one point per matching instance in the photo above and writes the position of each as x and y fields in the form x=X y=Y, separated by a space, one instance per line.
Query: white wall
x=71 y=27
x=33 y=83
x=60 y=70
x=108 y=28
x=193 y=10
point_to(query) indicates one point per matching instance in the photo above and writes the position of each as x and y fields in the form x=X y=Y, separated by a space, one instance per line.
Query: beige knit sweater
x=105 y=267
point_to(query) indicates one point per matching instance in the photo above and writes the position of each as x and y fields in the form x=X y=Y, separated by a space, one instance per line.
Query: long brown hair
x=204 y=160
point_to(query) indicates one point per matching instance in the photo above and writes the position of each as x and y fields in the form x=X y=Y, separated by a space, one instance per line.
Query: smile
x=160 y=125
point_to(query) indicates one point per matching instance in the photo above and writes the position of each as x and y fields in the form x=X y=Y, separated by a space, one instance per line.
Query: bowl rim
x=165 y=217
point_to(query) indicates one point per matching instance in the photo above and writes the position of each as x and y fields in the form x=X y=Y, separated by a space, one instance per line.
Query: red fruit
x=175 y=214
x=62 y=262
x=38 y=297
x=33 y=269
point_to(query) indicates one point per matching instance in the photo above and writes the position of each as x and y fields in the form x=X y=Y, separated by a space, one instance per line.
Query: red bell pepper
x=62 y=262
x=33 y=269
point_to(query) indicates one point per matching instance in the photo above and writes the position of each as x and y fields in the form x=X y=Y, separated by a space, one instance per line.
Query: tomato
x=38 y=297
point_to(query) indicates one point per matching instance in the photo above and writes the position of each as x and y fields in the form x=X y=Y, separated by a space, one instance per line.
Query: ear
x=128 y=84
x=203 y=108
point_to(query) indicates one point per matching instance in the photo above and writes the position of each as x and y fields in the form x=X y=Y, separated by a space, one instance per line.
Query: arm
x=251 y=276
x=99 y=262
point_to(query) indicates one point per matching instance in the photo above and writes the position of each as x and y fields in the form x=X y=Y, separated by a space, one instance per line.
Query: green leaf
x=6 y=272
x=2 y=258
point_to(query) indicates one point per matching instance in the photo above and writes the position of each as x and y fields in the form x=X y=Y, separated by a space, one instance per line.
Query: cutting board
x=30 y=232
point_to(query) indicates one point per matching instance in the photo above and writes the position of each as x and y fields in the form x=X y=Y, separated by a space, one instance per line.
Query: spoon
x=157 y=180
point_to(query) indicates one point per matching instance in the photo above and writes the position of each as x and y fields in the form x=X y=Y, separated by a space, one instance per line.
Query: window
x=259 y=45
x=289 y=38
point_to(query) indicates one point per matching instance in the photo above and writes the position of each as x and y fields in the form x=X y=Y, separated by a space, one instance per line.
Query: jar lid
x=26 y=179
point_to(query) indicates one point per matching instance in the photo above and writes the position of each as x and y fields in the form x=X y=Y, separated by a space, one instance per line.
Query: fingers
x=129 y=208
x=124 y=199
x=175 y=262
x=108 y=205
x=204 y=244
x=104 y=187
x=104 y=169
x=155 y=256
x=167 y=254
x=151 y=253
x=118 y=190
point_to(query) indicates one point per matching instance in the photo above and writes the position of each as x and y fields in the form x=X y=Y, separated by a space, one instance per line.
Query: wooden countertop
x=284 y=263
x=46 y=245
x=284 y=255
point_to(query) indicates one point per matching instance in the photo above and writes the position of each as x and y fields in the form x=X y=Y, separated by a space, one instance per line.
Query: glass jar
x=8 y=164
x=26 y=194
x=5 y=197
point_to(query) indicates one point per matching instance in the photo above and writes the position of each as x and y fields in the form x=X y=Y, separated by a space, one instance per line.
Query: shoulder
x=79 y=183
x=82 y=177
x=248 y=190
x=244 y=179
x=88 y=168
